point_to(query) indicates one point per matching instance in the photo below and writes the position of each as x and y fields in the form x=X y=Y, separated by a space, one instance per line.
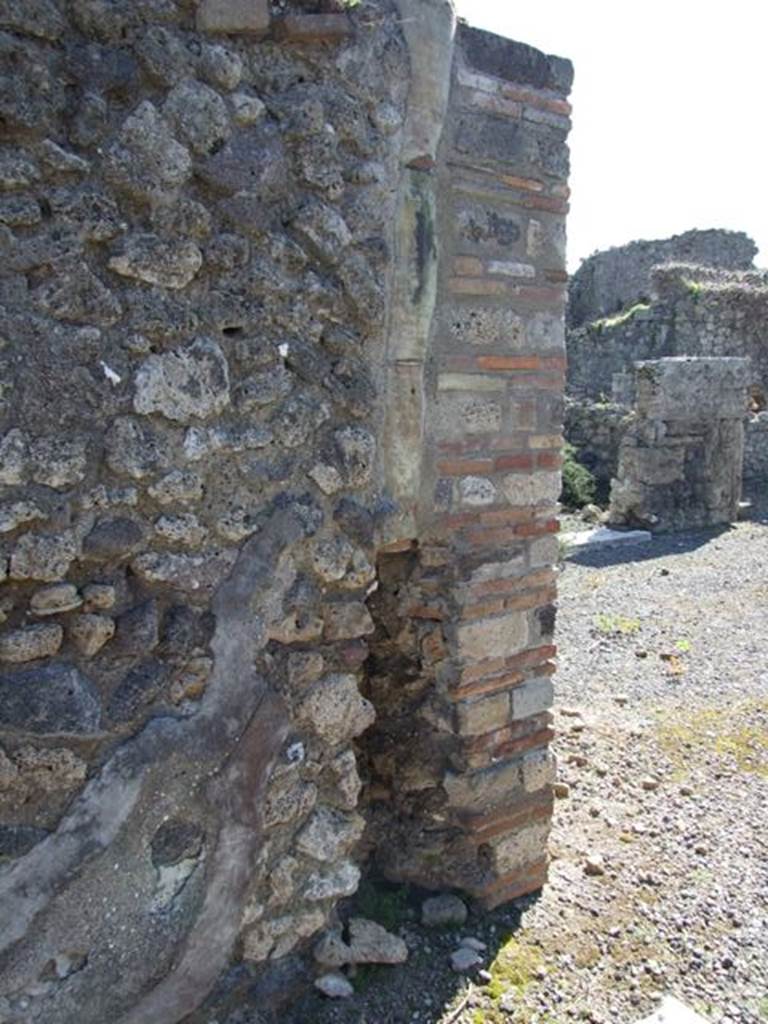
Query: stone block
x=526 y=148
x=30 y=643
x=538 y=770
x=329 y=834
x=234 y=17
x=487 y=326
x=493 y=638
x=531 y=488
x=456 y=415
x=313 y=28
x=476 y=792
x=511 y=61
x=532 y=697
x=480 y=716
x=513 y=852
x=53 y=698
x=335 y=709
x=469 y=382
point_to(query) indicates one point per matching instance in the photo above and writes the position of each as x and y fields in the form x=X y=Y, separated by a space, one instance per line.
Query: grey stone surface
x=199 y=115
x=515 y=62
x=185 y=384
x=31 y=643
x=681 y=456
x=155 y=261
x=335 y=986
x=444 y=910
x=608 y=281
x=145 y=159
x=53 y=698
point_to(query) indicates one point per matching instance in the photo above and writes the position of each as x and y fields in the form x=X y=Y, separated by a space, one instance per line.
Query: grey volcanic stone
x=356 y=448
x=60 y=597
x=252 y=161
x=139 y=687
x=138 y=630
x=322 y=230
x=329 y=834
x=20 y=512
x=220 y=67
x=185 y=384
x=59 y=161
x=113 y=538
x=58 y=462
x=176 y=841
x=199 y=116
x=87 y=212
x=39 y=18
x=42 y=557
x=31 y=642
x=17 y=171
x=90 y=632
x=163 y=55
x=19 y=211
x=151 y=259
x=135 y=449
x=443 y=910
x=335 y=709
x=78 y=296
x=185 y=572
x=335 y=986
x=50 y=699
x=369 y=943
x=13 y=457
x=145 y=159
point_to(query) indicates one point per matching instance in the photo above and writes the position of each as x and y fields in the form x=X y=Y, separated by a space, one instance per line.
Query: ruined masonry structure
x=692 y=310
x=608 y=281
x=680 y=460
x=281 y=375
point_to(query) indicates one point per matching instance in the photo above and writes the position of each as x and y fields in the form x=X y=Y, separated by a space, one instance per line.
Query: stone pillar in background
x=461 y=673
x=680 y=461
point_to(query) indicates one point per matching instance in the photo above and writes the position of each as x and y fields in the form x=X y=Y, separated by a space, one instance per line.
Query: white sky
x=670 y=129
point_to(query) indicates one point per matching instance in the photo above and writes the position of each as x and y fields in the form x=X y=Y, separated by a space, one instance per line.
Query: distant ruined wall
x=697 y=311
x=281 y=374
x=608 y=281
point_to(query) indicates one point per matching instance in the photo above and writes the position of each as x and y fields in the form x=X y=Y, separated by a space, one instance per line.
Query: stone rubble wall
x=608 y=281
x=696 y=311
x=596 y=429
x=681 y=455
x=756 y=447
x=282 y=321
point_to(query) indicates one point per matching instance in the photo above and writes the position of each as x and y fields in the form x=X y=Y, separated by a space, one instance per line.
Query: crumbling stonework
x=756 y=447
x=608 y=281
x=680 y=461
x=595 y=429
x=282 y=368
x=692 y=310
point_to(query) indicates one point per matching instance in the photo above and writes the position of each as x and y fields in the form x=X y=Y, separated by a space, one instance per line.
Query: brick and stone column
x=459 y=755
x=680 y=461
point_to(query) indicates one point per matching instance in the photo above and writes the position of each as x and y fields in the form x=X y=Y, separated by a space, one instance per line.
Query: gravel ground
x=659 y=877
